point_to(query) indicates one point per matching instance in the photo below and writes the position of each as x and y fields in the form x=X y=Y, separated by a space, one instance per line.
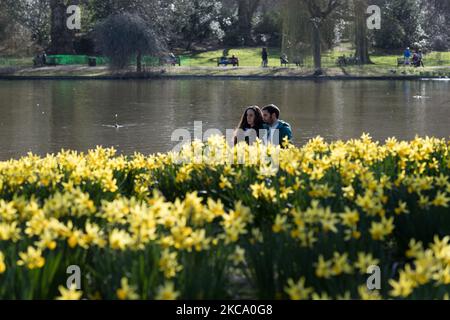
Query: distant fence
x=84 y=59
x=65 y=59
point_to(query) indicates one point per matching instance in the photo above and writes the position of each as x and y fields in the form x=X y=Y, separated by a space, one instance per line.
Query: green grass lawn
x=251 y=57
x=248 y=57
x=16 y=62
x=205 y=63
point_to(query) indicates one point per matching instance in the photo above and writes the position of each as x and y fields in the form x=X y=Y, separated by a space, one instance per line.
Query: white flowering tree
x=196 y=20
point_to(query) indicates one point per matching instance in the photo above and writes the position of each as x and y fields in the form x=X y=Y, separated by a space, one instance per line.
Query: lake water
x=45 y=116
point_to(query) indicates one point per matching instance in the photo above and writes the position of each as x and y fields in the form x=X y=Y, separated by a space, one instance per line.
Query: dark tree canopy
x=123 y=36
x=300 y=27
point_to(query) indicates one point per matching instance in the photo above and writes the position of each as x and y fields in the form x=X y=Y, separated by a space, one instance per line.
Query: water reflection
x=45 y=116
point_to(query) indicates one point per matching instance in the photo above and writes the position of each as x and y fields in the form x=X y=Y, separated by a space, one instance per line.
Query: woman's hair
x=243 y=124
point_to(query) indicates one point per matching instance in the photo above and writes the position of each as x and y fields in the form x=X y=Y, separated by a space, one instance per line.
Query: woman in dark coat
x=251 y=119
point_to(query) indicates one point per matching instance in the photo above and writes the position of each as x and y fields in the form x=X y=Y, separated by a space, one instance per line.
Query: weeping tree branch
x=124 y=36
x=318 y=14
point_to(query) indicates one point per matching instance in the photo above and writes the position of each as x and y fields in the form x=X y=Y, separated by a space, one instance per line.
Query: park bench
x=347 y=61
x=226 y=61
x=172 y=60
x=298 y=62
x=285 y=61
x=400 y=62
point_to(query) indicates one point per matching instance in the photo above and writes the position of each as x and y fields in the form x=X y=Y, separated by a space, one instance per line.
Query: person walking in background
x=407 y=56
x=420 y=58
x=265 y=58
x=415 y=59
x=44 y=58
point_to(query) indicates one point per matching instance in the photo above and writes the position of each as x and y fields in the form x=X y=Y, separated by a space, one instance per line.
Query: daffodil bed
x=194 y=225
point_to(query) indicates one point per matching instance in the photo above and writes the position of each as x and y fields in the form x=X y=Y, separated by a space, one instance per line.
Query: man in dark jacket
x=271 y=116
x=265 y=58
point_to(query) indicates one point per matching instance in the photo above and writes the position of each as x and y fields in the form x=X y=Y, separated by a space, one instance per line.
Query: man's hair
x=271 y=109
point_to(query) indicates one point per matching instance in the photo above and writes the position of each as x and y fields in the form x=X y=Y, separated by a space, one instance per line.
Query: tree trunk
x=61 y=37
x=139 y=61
x=244 y=23
x=316 y=47
x=361 y=41
x=318 y=15
x=246 y=10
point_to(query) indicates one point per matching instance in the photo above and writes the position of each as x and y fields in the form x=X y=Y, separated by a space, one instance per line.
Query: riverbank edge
x=151 y=76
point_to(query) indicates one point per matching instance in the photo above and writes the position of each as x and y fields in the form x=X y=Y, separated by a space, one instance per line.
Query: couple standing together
x=264 y=124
